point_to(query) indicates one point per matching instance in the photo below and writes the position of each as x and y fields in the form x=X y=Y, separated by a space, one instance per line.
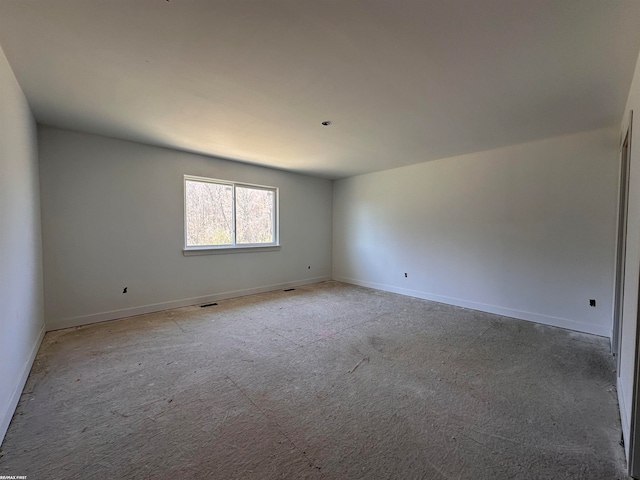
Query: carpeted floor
x=327 y=381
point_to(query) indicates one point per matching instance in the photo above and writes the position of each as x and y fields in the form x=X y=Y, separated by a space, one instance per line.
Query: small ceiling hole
x=326 y=123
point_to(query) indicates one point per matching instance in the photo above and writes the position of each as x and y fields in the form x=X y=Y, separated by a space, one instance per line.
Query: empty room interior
x=319 y=239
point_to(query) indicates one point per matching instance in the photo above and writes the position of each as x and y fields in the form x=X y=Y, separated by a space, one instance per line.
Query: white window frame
x=232 y=247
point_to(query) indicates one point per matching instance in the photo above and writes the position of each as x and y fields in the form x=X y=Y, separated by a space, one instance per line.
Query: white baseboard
x=10 y=409
x=506 y=312
x=186 y=302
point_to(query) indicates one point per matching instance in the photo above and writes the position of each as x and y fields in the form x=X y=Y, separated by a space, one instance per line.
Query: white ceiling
x=403 y=81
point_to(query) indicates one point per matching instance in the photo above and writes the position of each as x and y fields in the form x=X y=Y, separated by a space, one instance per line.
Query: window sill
x=189 y=252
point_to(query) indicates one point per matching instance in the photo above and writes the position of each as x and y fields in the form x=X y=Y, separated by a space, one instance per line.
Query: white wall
x=21 y=312
x=112 y=216
x=526 y=231
x=632 y=264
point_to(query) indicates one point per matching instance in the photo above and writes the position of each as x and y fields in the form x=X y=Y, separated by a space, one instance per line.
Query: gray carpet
x=327 y=381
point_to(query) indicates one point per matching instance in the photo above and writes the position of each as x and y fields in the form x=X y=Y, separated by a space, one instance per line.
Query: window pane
x=209 y=213
x=254 y=215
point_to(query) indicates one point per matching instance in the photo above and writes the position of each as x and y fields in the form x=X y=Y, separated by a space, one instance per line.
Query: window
x=220 y=214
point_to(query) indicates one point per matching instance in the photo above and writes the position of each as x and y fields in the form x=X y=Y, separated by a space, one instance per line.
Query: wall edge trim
x=7 y=415
x=185 y=302
x=624 y=419
x=497 y=310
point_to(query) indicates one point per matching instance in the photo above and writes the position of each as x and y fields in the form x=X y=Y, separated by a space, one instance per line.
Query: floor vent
x=208 y=305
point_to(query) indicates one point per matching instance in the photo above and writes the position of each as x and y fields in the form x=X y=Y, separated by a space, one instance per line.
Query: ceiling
x=402 y=81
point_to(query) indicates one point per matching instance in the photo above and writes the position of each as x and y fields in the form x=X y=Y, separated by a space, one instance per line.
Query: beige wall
x=21 y=313
x=526 y=231
x=112 y=217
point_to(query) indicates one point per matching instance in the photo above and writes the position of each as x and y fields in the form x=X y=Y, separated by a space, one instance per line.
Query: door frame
x=633 y=462
x=621 y=241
